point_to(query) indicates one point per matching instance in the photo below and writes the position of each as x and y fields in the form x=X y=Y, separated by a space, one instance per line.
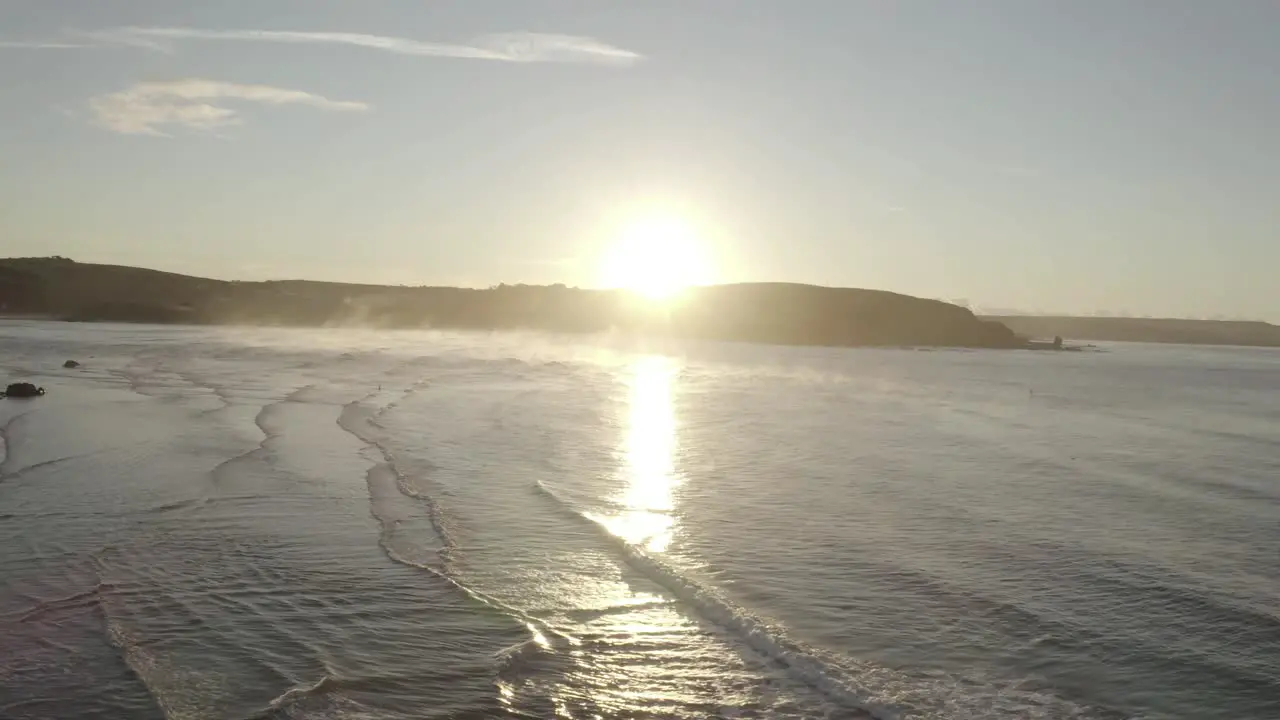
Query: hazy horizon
x=1057 y=157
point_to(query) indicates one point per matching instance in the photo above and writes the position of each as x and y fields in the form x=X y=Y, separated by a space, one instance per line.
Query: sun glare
x=649 y=450
x=656 y=258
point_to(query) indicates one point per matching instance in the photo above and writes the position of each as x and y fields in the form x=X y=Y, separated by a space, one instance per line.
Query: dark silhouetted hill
x=781 y=313
x=1151 y=330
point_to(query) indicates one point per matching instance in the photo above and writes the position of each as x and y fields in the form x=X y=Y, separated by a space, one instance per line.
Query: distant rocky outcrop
x=23 y=390
x=783 y=313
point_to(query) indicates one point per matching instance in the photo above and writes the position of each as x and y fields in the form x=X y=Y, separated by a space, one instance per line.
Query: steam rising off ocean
x=240 y=523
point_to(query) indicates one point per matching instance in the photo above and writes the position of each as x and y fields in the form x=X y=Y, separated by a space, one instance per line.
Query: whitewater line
x=802 y=663
x=538 y=630
x=4 y=442
x=434 y=514
x=267 y=435
x=10 y=475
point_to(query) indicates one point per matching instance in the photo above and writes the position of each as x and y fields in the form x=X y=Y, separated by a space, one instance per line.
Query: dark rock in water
x=23 y=390
x=71 y=364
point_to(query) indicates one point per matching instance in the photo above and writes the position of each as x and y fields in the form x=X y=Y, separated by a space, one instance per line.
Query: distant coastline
x=1145 y=330
x=774 y=313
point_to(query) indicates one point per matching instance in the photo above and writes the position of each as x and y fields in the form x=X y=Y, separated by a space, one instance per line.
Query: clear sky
x=1068 y=156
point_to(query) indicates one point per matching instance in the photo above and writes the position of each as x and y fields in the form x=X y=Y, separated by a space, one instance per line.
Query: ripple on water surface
x=225 y=523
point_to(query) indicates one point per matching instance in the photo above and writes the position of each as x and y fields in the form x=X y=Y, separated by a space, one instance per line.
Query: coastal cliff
x=779 y=313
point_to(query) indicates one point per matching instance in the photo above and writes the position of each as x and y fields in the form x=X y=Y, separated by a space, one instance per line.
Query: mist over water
x=233 y=523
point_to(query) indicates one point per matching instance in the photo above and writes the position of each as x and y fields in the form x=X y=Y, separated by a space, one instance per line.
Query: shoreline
x=1026 y=345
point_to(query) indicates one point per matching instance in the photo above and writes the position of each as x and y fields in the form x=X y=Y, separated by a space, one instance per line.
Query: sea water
x=238 y=523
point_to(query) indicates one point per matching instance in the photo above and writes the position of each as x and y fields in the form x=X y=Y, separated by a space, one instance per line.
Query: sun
x=656 y=257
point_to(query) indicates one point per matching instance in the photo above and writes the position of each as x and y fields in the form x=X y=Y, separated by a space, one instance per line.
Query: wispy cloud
x=38 y=45
x=147 y=108
x=522 y=47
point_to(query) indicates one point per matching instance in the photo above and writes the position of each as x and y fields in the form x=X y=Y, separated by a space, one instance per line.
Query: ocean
x=265 y=523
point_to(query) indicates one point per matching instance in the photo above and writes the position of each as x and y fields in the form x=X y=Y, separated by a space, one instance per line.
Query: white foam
x=382 y=477
x=804 y=664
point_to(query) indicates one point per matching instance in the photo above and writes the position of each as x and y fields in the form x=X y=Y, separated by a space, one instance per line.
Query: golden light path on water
x=645 y=656
x=631 y=650
x=648 y=455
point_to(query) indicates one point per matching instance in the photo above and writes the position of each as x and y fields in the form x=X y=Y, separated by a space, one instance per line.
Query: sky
x=1069 y=156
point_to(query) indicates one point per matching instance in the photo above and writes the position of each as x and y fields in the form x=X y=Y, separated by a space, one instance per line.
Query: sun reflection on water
x=621 y=644
x=648 y=454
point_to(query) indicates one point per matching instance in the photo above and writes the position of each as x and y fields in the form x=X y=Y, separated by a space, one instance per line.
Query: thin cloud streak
x=520 y=47
x=145 y=108
x=37 y=45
